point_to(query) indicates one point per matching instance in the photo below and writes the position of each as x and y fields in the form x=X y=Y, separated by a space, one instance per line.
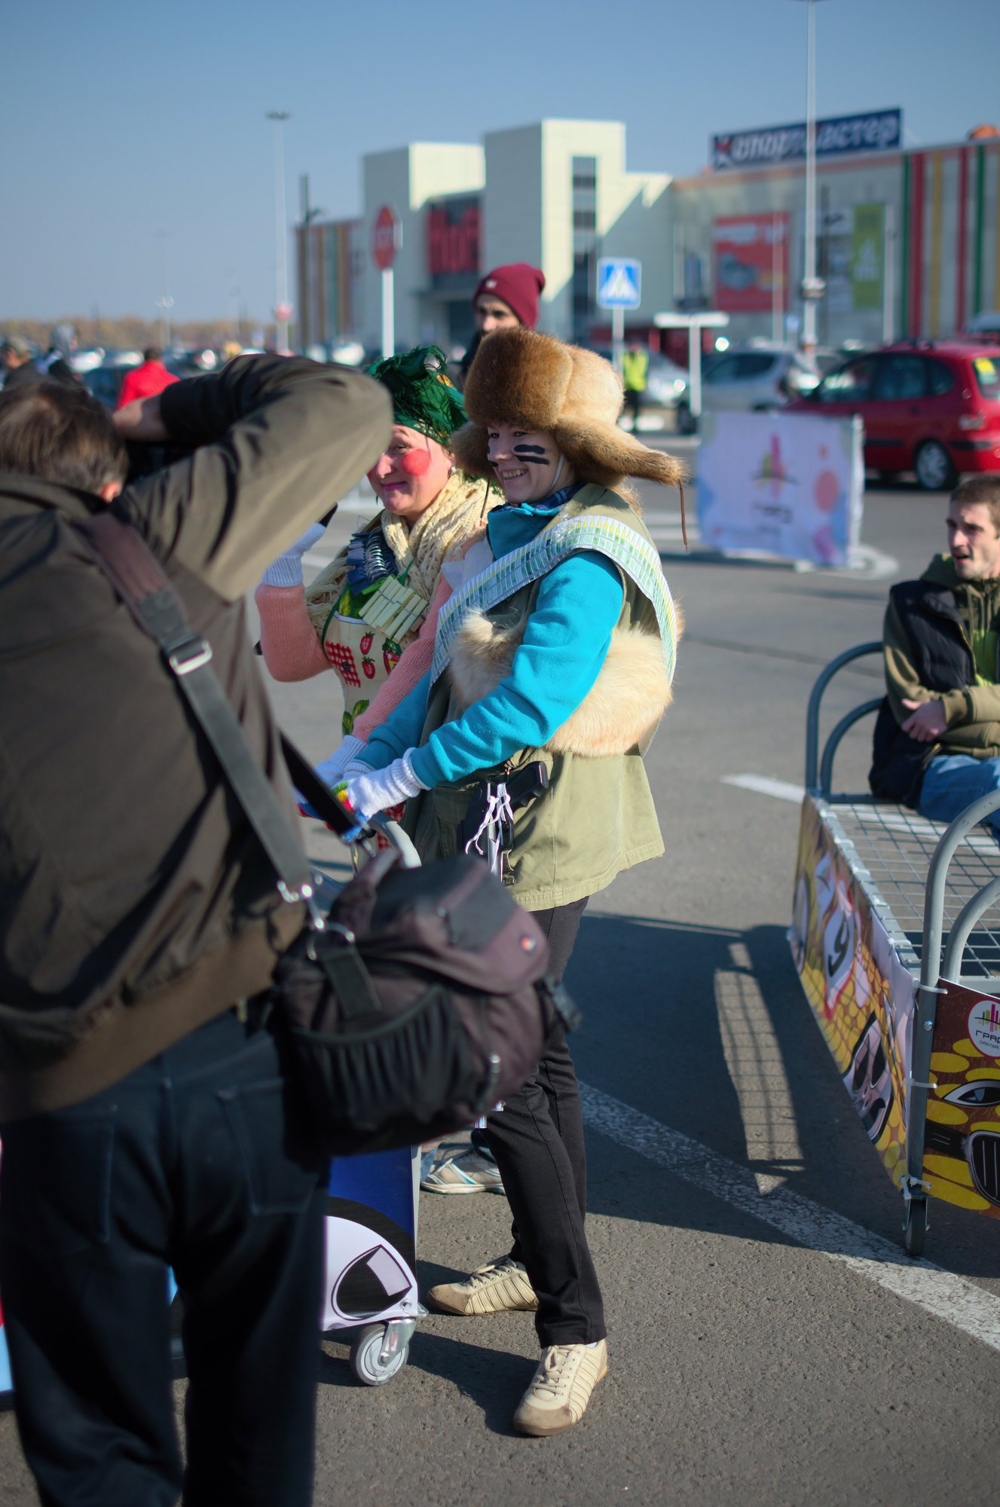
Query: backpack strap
x=129 y=564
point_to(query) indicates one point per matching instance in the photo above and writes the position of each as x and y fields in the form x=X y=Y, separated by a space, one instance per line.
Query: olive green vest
x=597 y=816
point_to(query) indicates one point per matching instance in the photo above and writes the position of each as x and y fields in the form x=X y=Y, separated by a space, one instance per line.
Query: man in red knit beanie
x=506 y=297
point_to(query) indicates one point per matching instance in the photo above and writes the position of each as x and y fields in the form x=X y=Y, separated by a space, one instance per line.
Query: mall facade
x=908 y=241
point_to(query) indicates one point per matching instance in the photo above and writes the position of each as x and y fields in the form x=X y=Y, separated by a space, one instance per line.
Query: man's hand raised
x=141 y=421
x=927 y=722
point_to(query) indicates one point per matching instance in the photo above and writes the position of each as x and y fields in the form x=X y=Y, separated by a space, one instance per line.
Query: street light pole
x=281 y=310
x=813 y=287
x=164 y=303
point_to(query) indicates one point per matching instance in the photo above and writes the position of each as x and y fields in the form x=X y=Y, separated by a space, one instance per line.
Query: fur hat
x=521 y=377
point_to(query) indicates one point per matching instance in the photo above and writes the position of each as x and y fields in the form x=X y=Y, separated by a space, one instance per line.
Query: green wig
x=423 y=395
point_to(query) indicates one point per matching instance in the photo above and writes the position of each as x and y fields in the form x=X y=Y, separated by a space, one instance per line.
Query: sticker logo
x=984 y=1027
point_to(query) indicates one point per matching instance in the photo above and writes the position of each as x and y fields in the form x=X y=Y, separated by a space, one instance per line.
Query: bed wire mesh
x=889 y=849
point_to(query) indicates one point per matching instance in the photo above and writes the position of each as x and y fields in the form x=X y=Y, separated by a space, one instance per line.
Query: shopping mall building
x=908 y=240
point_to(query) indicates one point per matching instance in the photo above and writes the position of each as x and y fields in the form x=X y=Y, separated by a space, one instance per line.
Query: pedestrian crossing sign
x=619 y=283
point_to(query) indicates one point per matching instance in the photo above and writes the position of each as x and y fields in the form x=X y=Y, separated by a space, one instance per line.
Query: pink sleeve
x=288 y=640
x=413 y=666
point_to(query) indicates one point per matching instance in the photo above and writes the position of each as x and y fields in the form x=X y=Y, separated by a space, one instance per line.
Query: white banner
x=785 y=484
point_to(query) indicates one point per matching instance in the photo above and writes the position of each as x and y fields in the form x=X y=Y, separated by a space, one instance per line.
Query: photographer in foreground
x=144 y=1113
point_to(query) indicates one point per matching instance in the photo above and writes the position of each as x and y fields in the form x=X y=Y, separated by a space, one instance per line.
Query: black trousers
x=194 y=1161
x=537 y=1139
x=632 y=404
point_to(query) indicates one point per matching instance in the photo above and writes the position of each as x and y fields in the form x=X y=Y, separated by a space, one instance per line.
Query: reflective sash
x=621 y=543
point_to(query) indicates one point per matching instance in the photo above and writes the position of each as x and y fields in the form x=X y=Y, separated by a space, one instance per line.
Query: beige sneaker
x=560 y=1389
x=498 y=1287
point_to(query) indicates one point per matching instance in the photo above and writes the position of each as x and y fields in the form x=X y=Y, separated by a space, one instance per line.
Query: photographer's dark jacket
x=135 y=904
x=941 y=643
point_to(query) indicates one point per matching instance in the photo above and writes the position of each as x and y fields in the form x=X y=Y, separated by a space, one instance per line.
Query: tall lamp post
x=282 y=308
x=164 y=303
x=812 y=287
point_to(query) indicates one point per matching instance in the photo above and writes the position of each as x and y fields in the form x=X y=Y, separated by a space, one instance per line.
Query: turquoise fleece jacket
x=565 y=643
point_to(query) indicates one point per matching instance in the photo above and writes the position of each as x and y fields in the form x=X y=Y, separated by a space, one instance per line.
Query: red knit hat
x=519 y=285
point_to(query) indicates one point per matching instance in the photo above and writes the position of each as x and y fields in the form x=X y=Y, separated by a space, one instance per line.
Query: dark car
x=930 y=407
x=105 y=382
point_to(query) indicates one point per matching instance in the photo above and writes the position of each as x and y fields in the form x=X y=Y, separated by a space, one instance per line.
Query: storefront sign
x=784 y=484
x=751 y=262
x=880 y=131
x=453 y=238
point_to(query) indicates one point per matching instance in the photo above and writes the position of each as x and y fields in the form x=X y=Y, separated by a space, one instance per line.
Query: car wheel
x=934 y=467
x=686 y=422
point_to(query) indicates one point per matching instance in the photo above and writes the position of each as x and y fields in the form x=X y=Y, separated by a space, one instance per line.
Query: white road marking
x=781 y=790
x=942 y=1294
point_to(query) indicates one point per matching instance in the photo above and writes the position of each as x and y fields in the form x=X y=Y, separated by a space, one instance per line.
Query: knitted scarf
x=458 y=512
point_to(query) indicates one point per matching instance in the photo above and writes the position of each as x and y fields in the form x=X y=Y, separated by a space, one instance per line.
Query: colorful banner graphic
x=785 y=484
x=962 y=1138
x=751 y=262
x=859 y=991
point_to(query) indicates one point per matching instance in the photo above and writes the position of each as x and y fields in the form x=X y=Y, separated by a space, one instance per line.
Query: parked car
x=931 y=407
x=757 y=377
x=667 y=388
x=105 y=382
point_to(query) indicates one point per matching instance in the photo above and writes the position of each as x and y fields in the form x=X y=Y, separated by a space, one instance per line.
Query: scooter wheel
x=915 y=1227
x=365 y=1357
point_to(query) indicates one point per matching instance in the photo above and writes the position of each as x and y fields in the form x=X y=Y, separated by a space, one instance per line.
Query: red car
x=929 y=406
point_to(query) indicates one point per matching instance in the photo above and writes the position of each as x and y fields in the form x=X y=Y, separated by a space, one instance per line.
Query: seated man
x=937 y=739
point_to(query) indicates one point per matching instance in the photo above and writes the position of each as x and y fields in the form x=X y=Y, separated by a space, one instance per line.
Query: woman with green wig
x=375 y=606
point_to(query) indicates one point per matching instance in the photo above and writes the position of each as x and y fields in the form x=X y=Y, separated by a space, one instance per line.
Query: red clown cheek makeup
x=416 y=462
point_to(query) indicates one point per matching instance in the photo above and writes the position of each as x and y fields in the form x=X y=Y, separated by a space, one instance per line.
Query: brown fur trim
x=620 y=711
x=469 y=447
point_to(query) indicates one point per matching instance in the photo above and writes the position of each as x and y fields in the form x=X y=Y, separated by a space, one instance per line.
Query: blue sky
x=135 y=149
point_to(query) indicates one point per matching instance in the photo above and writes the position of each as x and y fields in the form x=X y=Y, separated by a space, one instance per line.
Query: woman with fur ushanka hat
x=553 y=659
x=373 y=609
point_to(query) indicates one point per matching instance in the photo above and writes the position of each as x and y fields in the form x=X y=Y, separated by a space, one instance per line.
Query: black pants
x=193 y=1161
x=537 y=1139
x=633 y=402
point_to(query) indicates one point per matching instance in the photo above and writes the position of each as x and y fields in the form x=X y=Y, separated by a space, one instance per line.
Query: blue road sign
x=619 y=283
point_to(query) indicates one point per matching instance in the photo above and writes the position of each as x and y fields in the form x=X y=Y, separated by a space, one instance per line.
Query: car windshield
x=850 y=384
x=987 y=372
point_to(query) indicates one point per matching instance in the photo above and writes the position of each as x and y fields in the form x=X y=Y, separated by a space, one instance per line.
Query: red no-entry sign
x=385 y=238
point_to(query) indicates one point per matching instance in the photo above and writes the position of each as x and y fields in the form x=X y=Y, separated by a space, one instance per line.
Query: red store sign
x=452 y=243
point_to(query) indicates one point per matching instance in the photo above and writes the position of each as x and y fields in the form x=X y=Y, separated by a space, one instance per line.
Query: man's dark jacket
x=135 y=903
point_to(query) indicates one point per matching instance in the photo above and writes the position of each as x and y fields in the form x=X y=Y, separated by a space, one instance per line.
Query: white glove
x=286 y=570
x=380 y=788
x=334 y=769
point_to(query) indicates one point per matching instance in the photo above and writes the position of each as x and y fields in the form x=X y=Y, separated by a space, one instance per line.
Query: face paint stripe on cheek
x=533 y=453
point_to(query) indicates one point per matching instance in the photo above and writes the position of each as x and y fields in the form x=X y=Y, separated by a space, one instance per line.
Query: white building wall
x=406 y=178
x=529 y=209
x=512 y=203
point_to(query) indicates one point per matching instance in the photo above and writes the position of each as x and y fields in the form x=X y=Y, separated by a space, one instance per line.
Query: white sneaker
x=561 y=1388
x=500 y=1286
x=463 y=1172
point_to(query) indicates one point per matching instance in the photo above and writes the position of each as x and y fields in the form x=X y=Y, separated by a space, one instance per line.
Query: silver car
x=756 y=377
